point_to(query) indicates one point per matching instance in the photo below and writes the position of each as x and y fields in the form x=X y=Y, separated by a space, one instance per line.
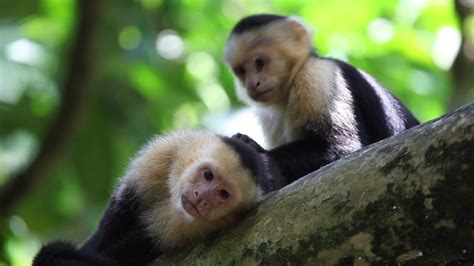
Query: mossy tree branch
x=406 y=199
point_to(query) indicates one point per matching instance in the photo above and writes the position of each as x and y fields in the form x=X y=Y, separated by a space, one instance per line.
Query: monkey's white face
x=265 y=59
x=262 y=76
x=210 y=194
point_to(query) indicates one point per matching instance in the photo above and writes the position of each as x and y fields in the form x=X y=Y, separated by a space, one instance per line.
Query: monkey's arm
x=119 y=240
x=121 y=234
x=300 y=157
x=297 y=158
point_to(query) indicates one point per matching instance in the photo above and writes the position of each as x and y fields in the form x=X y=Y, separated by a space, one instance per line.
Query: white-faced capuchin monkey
x=178 y=189
x=313 y=109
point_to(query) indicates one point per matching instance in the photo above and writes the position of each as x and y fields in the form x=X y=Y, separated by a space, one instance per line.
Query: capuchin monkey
x=177 y=190
x=313 y=110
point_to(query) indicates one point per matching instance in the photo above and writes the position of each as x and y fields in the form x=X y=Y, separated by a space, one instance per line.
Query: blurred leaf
x=146 y=81
x=15 y=10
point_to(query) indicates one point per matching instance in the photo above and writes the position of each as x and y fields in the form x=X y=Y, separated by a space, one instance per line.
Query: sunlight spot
x=407 y=11
x=169 y=44
x=238 y=121
x=202 y=66
x=25 y=51
x=16 y=151
x=381 y=30
x=446 y=46
x=18 y=226
x=22 y=250
x=214 y=97
x=11 y=86
x=19 y=79
x=186 y=116
x=421 y=82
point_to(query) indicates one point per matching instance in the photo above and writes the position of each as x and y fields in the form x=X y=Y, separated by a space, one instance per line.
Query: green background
x=144 y=84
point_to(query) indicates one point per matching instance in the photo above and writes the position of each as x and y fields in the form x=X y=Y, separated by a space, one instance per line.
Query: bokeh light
x=169 y=44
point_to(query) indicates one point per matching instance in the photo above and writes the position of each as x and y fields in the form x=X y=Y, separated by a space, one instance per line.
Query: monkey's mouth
x=264 y=96
x=190 y=208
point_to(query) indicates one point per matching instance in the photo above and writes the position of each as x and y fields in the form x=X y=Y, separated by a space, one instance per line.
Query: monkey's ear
x=248 y=141
x=299 y=27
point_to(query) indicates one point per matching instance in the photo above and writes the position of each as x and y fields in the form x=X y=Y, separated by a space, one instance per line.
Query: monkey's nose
x=195 y=193
x=253 y=84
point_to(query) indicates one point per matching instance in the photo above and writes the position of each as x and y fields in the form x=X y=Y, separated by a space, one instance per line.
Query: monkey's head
x=264 y=52
x=213 y=191
x=210 y=182
x=191 y=183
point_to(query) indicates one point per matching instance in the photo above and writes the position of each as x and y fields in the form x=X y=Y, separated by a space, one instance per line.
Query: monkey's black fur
x=268 y=176
x=255 y=21
x=120 y=240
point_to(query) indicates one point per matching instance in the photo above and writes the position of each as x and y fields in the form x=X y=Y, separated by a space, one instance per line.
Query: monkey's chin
x=264 y=96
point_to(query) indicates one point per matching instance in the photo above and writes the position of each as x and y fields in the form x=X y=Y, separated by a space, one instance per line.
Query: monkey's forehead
x=240 y=46
x=279 y=33
x=254 y=21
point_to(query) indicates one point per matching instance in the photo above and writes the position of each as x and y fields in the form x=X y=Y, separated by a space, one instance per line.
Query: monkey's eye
x=224 y=194
x=259 y=63
x=208 y=175
x=239 y=70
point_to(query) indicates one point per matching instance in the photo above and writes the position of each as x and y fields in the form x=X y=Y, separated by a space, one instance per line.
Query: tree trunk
x=406 y=199
x=463 y=91
x=73 y=97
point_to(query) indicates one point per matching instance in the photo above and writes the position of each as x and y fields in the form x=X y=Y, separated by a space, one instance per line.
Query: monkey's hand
x=249 y=141
x=270 y=177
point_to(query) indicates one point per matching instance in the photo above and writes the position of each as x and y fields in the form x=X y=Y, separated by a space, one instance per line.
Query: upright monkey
x=177 y=190
x=313 y=109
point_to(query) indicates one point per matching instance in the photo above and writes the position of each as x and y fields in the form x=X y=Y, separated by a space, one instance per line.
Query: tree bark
x=406 y=199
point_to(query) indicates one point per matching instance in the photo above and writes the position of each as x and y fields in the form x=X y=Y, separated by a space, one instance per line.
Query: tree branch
x=61 y=129
x=406 y=199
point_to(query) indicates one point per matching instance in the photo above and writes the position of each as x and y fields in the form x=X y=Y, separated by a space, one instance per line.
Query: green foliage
x=158 y=67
